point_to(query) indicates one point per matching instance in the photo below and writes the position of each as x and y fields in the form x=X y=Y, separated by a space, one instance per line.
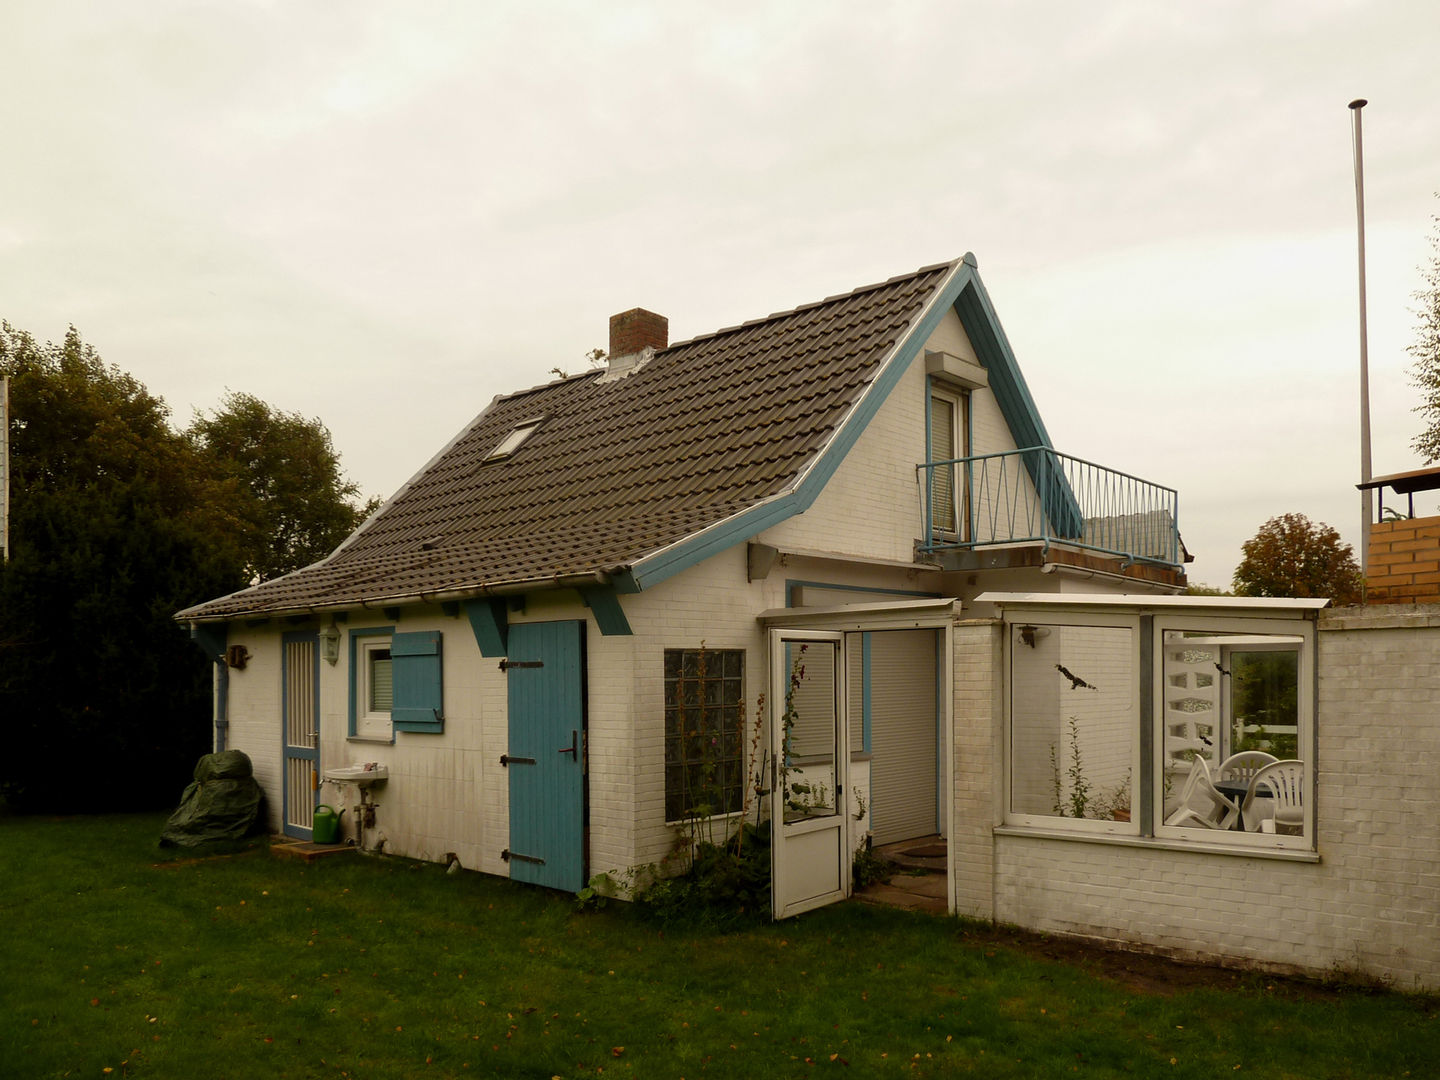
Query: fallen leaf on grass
x=616 y=1051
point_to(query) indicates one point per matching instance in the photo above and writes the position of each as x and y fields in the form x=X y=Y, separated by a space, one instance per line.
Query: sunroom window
x=1234 y=716
x=1193 y=728
x=1073 y=724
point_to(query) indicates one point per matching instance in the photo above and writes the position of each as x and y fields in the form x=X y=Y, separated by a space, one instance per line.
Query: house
x=834 y=551
x=503 y=635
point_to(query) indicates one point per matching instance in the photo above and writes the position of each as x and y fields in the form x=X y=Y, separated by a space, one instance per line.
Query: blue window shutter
x=416 y=663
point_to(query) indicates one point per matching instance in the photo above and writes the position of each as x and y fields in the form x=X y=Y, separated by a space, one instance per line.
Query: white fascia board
x=1258 y=606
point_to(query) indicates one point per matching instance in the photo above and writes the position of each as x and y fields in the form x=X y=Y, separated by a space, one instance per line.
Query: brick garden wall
x=1404 y=562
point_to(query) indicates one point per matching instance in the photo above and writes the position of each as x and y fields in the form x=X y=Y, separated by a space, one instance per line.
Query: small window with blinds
x=380 y=684
x=947 y=442
x=372 y=689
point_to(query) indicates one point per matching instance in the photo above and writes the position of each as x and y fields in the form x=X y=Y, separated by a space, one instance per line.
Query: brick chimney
x=635 y=330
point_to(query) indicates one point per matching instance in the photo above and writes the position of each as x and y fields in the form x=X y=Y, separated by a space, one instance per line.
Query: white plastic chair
x=1220 y=813
x=1286 y=783
x=1244 y=765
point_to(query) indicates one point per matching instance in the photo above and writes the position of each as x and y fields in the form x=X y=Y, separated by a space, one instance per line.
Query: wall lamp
x=330 y=644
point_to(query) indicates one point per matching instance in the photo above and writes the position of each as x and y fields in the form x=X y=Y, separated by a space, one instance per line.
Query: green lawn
x=121 y=960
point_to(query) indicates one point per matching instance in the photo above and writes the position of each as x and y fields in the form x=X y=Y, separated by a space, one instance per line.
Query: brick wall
x=975 y=765
x=1404 y=562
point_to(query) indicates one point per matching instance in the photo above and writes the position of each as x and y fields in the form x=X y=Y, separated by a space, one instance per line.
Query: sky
x=384 y=214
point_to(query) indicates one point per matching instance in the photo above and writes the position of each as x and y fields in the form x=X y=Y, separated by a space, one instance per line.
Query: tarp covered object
x=222 y=804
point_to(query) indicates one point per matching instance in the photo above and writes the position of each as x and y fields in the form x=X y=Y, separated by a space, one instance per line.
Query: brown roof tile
x=619 y=469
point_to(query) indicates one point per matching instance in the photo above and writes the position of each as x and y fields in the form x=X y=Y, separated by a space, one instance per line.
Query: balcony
x=1039 y=497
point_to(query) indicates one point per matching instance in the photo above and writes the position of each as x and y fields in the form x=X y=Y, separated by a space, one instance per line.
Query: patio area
x=919 y=880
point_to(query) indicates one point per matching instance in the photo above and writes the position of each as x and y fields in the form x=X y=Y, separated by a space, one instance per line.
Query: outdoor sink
x=362 y=774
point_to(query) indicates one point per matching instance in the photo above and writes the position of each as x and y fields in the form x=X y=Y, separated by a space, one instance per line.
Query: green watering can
x=326 y=827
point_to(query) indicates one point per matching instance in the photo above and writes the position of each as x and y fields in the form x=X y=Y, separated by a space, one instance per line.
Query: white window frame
x=1156 y=616
x=959 y=403
x=371 y=724
x=1220 y=627
x=1042 y=618
x=515 y=439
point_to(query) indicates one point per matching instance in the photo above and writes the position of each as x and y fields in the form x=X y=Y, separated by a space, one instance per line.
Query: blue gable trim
x=963 y=293
x=977 y=316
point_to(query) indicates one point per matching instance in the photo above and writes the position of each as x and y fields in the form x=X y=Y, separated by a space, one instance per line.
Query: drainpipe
x=212 y=644
x=222 y=700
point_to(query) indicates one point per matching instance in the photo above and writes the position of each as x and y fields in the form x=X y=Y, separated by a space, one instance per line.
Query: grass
x=122 y=960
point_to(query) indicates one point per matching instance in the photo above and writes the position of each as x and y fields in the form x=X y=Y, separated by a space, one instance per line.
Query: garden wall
x=1369 y=906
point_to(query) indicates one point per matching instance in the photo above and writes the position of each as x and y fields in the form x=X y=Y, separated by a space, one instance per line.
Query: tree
x=294 y=504
x=1425 y=371
x=117 y=522
x=1294 y=556
x=114 y=527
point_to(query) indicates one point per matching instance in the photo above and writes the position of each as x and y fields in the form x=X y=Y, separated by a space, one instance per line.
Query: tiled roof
x=621 y=467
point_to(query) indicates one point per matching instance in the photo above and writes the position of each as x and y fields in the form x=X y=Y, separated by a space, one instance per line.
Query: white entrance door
x=810 y=840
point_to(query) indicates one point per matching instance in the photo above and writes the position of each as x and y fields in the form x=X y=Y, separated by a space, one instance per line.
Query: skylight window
x=513 y=441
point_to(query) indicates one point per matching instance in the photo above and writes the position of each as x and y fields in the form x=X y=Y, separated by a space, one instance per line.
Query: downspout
x=222 y=703
x=211 y=639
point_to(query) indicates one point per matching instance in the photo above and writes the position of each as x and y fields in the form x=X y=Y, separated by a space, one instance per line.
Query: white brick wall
x=1370 y=905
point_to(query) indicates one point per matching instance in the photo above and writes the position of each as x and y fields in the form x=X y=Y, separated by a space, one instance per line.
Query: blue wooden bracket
x=211 y=638
x=604 y=603
x=491 y=625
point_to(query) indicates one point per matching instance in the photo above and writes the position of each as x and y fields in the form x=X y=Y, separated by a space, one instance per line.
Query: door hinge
x=507 y=855
x=511 y=759
x=506 y=665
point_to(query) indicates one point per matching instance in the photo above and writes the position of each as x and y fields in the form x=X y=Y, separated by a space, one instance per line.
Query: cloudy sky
x=383 y=214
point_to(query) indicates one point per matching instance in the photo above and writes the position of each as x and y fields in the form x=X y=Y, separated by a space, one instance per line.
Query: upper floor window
x=949 y=439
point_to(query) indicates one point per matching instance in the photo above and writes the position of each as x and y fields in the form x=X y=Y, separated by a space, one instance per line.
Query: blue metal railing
x=1040 y=494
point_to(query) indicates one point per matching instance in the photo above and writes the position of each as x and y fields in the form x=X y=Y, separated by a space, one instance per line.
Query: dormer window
x=513 y=441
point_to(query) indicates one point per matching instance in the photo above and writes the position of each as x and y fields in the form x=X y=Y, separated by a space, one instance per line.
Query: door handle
x=574 y=747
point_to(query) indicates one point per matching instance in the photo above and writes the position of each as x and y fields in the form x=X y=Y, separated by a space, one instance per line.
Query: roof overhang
x=892 y=615
x=1260 y=607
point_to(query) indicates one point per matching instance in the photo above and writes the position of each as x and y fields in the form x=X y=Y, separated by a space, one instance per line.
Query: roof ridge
x=836 y=298
x=540 y=387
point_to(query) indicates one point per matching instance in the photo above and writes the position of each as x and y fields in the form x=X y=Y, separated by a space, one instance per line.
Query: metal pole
x=1366 y=496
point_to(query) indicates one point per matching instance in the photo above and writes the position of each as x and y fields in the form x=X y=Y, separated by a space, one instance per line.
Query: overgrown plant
x=1115 y=803
x=1078 y=798
x=719 y=868
x=868 y=868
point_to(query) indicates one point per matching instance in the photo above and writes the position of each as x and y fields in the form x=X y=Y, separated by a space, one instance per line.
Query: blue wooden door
x=546 y=753
x=300 y=731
